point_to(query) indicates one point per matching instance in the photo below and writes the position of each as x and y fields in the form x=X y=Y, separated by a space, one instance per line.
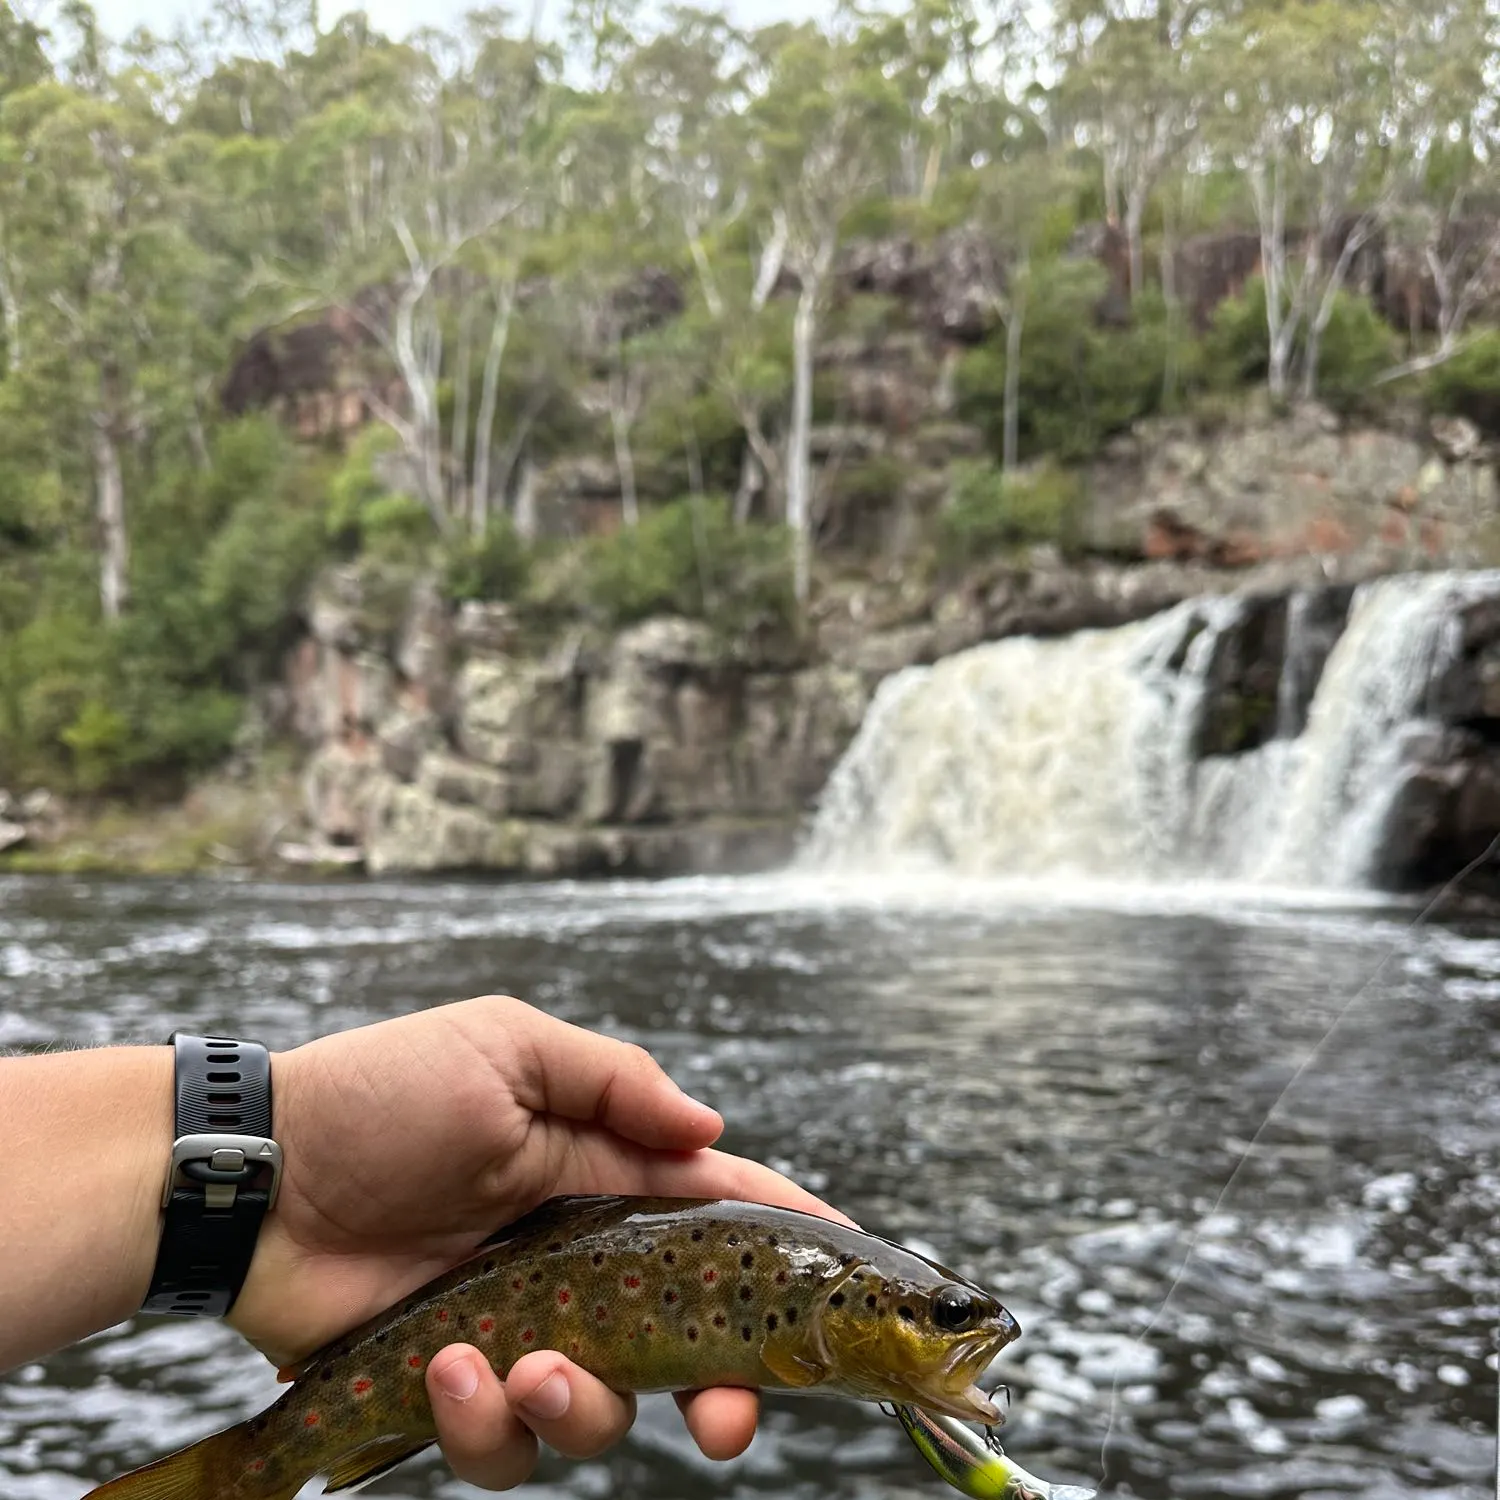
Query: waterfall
x=1083 y=755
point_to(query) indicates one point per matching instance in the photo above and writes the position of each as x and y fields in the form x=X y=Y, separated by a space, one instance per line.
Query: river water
x=1048 y=1089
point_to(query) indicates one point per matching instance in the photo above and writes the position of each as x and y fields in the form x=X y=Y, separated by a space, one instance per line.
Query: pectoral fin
x=802 y=1359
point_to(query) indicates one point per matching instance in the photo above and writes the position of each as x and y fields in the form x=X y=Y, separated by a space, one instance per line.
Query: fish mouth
x=956 y=1393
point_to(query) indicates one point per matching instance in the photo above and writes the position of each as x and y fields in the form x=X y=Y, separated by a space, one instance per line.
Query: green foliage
x=687 y=558
x=991 y=514
x=355 y=487
x=1356 y=346
x=223 y=558
x=494 y=566
x=1468 y=384
x=1079 y=382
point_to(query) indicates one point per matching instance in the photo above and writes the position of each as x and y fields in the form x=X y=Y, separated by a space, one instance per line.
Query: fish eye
x=953 y=1308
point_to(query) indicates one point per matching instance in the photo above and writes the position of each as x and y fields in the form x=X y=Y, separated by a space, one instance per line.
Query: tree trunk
x=458 y=439
x=1014 y=324
x=525 y=514
x=484 y=426
x=422 y=388
x=799 y=436
x=1135 y=210
x=10 y=319
x=109 y=482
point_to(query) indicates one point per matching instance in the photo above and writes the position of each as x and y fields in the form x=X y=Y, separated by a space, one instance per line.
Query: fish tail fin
x=213 y=1467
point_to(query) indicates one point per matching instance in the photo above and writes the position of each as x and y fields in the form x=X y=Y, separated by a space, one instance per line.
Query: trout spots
x=486 y=1325
x=256 y=1466
x=669 y=1257
x=630 y=1283
x=710 y=1275
x=669 y=1295
x=598 y=1257
x=791 y=1316
x=575 y=1348
x=720 y=1321
x=528 y=1336
x=648 y=1327
x=781 y=1278
x=771 y=1321
x=312 y=1419
x=442 y=1315
x=746 y=1293
x=601 y=1312
x=772 y=1241
x=536 y=1276
x=564 y=1296
x=697 y=1236
x=517 y=1285
x=692 y=1333
x=747 y=1260
x=414 y=1361
x=363 y=1386
x=745 y=1333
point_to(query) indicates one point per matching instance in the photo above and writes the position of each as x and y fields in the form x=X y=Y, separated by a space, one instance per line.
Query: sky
x=397 y=17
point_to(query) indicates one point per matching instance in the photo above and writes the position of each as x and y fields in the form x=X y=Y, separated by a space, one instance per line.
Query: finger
x=485 y=1443
x=722 y=1421
x=598 y=1164
x=580 y=1075
x=567 y=1407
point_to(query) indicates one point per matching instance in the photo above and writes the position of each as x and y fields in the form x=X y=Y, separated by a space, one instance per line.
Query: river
x=1047 y=1087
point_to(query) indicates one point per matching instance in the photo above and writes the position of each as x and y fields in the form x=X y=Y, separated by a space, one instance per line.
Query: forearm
x=84 y=1141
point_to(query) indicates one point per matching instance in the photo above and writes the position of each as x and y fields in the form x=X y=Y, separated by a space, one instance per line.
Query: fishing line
x=1419 y=921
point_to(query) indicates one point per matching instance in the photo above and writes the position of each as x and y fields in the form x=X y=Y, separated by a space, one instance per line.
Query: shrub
x=992 y=514
x=494 y=566
x=1468 y=384
x=1356 y=345
x=689 y=558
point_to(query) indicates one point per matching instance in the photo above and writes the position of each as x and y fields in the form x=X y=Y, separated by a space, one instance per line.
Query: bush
x=1356 y=346
x=1468 y=384
x=1079 y=382
x=689 y=558
x=991 y=514
x=494 y=566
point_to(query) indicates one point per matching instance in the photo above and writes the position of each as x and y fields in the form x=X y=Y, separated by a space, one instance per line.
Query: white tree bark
x=484 y=426
x=109 y=483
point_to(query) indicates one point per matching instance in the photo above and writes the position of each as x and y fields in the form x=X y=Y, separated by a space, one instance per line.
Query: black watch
x=223 y=1179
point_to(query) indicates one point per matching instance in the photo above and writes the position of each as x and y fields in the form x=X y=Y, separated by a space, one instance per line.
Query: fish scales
x=646 y=1294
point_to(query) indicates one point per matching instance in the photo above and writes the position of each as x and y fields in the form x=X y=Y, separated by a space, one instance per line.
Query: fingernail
x=549 y=1400
x=459 y=1380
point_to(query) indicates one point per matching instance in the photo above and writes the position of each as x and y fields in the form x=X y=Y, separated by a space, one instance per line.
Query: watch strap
x=223 y=1176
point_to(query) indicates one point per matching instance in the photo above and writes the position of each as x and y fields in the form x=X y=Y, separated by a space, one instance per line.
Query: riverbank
x=408 y=734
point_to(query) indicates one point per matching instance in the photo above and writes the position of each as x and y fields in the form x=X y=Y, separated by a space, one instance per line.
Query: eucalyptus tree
x=1300 y=106
x=822 y=140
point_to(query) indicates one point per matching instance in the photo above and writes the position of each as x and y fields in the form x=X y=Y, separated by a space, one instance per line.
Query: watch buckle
x=222 y=1165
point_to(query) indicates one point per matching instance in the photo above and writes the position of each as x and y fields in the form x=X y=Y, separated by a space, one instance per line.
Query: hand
x=409 y=1141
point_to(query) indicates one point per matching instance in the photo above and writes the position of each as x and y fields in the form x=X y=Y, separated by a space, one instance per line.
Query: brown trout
x=647 y=1294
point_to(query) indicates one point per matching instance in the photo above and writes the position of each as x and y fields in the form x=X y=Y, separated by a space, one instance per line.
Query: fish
x=976 y=1466
x=647 y=1294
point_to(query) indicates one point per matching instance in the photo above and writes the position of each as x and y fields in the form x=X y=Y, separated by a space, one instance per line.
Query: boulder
x=337 y=786
x=12 y=835
x=410 y=830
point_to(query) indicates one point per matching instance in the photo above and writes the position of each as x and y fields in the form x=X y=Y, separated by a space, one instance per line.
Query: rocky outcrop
x=663 y=749
x=1261 y=488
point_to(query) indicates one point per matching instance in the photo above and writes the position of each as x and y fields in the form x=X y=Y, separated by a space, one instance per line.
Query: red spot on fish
x=363 y=1386
x=486 y=1325
x=573 y=1347
x=311 y=1419
x=256 y=1465
x=632 y=1283
x=527 y=1337
x=442 y=1315
x=564 y=1296
x=669 y=1295
x=518 y=1283
x=710 y=1276
x=406 y=1401
x=414 y=1360
x=601 y=1312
